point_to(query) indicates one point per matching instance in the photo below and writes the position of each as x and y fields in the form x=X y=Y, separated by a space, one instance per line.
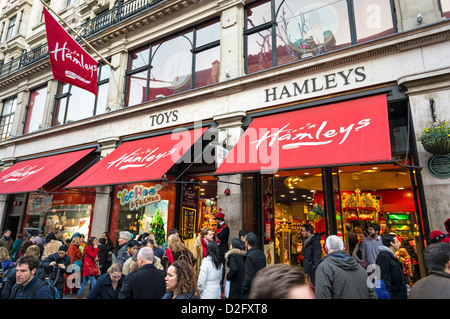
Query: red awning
x=30 y=175
x=355 y=131
x=140 y=160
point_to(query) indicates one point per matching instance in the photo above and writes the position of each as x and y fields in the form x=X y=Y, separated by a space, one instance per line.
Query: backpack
x=4 y=274
x=34 y=290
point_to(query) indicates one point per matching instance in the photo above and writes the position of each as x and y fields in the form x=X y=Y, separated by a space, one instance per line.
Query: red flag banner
x=70 y=62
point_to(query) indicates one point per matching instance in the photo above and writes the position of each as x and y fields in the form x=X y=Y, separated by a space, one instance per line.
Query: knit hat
x=62 y=248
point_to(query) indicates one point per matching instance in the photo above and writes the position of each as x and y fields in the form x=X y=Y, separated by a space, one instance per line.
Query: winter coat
x=52 y=272
x=122 y=257
x=51 y=248
x=255 y=260
x=89 y=259
x=221 y=238
x=392 y=273
x=208 y=283
x=21 y=292
x=145 y=283
x=435 y=286
x=235 y=271
x=11 y=281
x=199 y=252
x=312 y=252
x=15 y=248
x=340 y=276
x=103 y=288
x=7 y=242
x=103 y=254
x=74 y=253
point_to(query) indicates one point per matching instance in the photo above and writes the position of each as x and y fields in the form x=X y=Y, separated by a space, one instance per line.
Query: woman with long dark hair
x=210 y=275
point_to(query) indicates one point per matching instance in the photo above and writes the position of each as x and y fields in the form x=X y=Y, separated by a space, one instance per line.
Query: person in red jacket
x=90 y=268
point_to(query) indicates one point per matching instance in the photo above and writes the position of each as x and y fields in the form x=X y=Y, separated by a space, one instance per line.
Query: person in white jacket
x=208 y=283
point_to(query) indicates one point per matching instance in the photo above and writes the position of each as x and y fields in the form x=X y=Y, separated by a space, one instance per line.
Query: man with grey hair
x=340 y=276
x=145 y=283
x=124 y=237
x=437 y=284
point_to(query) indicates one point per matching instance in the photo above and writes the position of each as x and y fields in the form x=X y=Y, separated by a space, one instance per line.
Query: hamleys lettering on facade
x=353 y=131
x=70 y=62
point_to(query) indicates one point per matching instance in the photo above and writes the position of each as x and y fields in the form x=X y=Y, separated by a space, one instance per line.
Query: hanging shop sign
x=439 y=166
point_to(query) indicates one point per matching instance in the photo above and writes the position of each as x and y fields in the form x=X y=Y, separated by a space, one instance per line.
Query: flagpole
x=90 y=46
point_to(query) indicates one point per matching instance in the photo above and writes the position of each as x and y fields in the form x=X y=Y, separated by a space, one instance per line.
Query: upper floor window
x=71 y=2
x=7 y=117
x=35 y=110
x=302 y=29
x=445 y=8
x=11 y=26
x=42 y=13
x=177 y=64
x=74 y=103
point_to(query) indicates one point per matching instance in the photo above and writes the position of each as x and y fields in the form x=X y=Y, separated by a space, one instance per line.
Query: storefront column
x=102 y=208
x=229 y=132
x=427 y=90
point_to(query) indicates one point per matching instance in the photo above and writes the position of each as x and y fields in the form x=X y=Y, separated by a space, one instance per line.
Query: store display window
x=57 y=210
x=362 y=194
x=144 y=208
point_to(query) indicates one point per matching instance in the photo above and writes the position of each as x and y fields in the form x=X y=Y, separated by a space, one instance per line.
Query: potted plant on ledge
x=435 y=138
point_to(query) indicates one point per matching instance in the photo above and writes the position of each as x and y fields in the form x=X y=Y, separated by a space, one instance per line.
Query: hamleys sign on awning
x=354 y=131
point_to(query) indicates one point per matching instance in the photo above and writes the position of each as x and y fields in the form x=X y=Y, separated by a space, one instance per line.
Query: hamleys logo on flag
x=70 y=62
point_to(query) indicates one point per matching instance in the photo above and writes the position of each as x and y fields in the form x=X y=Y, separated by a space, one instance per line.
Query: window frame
x=66 y=95
x=11 y=28
x=272 y=25
x=155 y=44
x=11 y=115
x=29 y=110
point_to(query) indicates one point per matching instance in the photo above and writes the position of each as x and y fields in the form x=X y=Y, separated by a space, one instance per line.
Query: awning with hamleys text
x=30 y=175
x=140 y=160
x=354 y=131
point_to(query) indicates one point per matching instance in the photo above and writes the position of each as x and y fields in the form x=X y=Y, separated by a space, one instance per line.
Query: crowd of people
x=377 y=267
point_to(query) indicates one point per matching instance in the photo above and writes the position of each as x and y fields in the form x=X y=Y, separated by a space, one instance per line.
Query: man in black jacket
x=391 y=268
x=312 y=249
x=55 y=266
x=255 y=260
x=145 y=283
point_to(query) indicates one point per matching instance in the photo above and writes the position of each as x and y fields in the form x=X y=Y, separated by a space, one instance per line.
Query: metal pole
x=90 y=46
